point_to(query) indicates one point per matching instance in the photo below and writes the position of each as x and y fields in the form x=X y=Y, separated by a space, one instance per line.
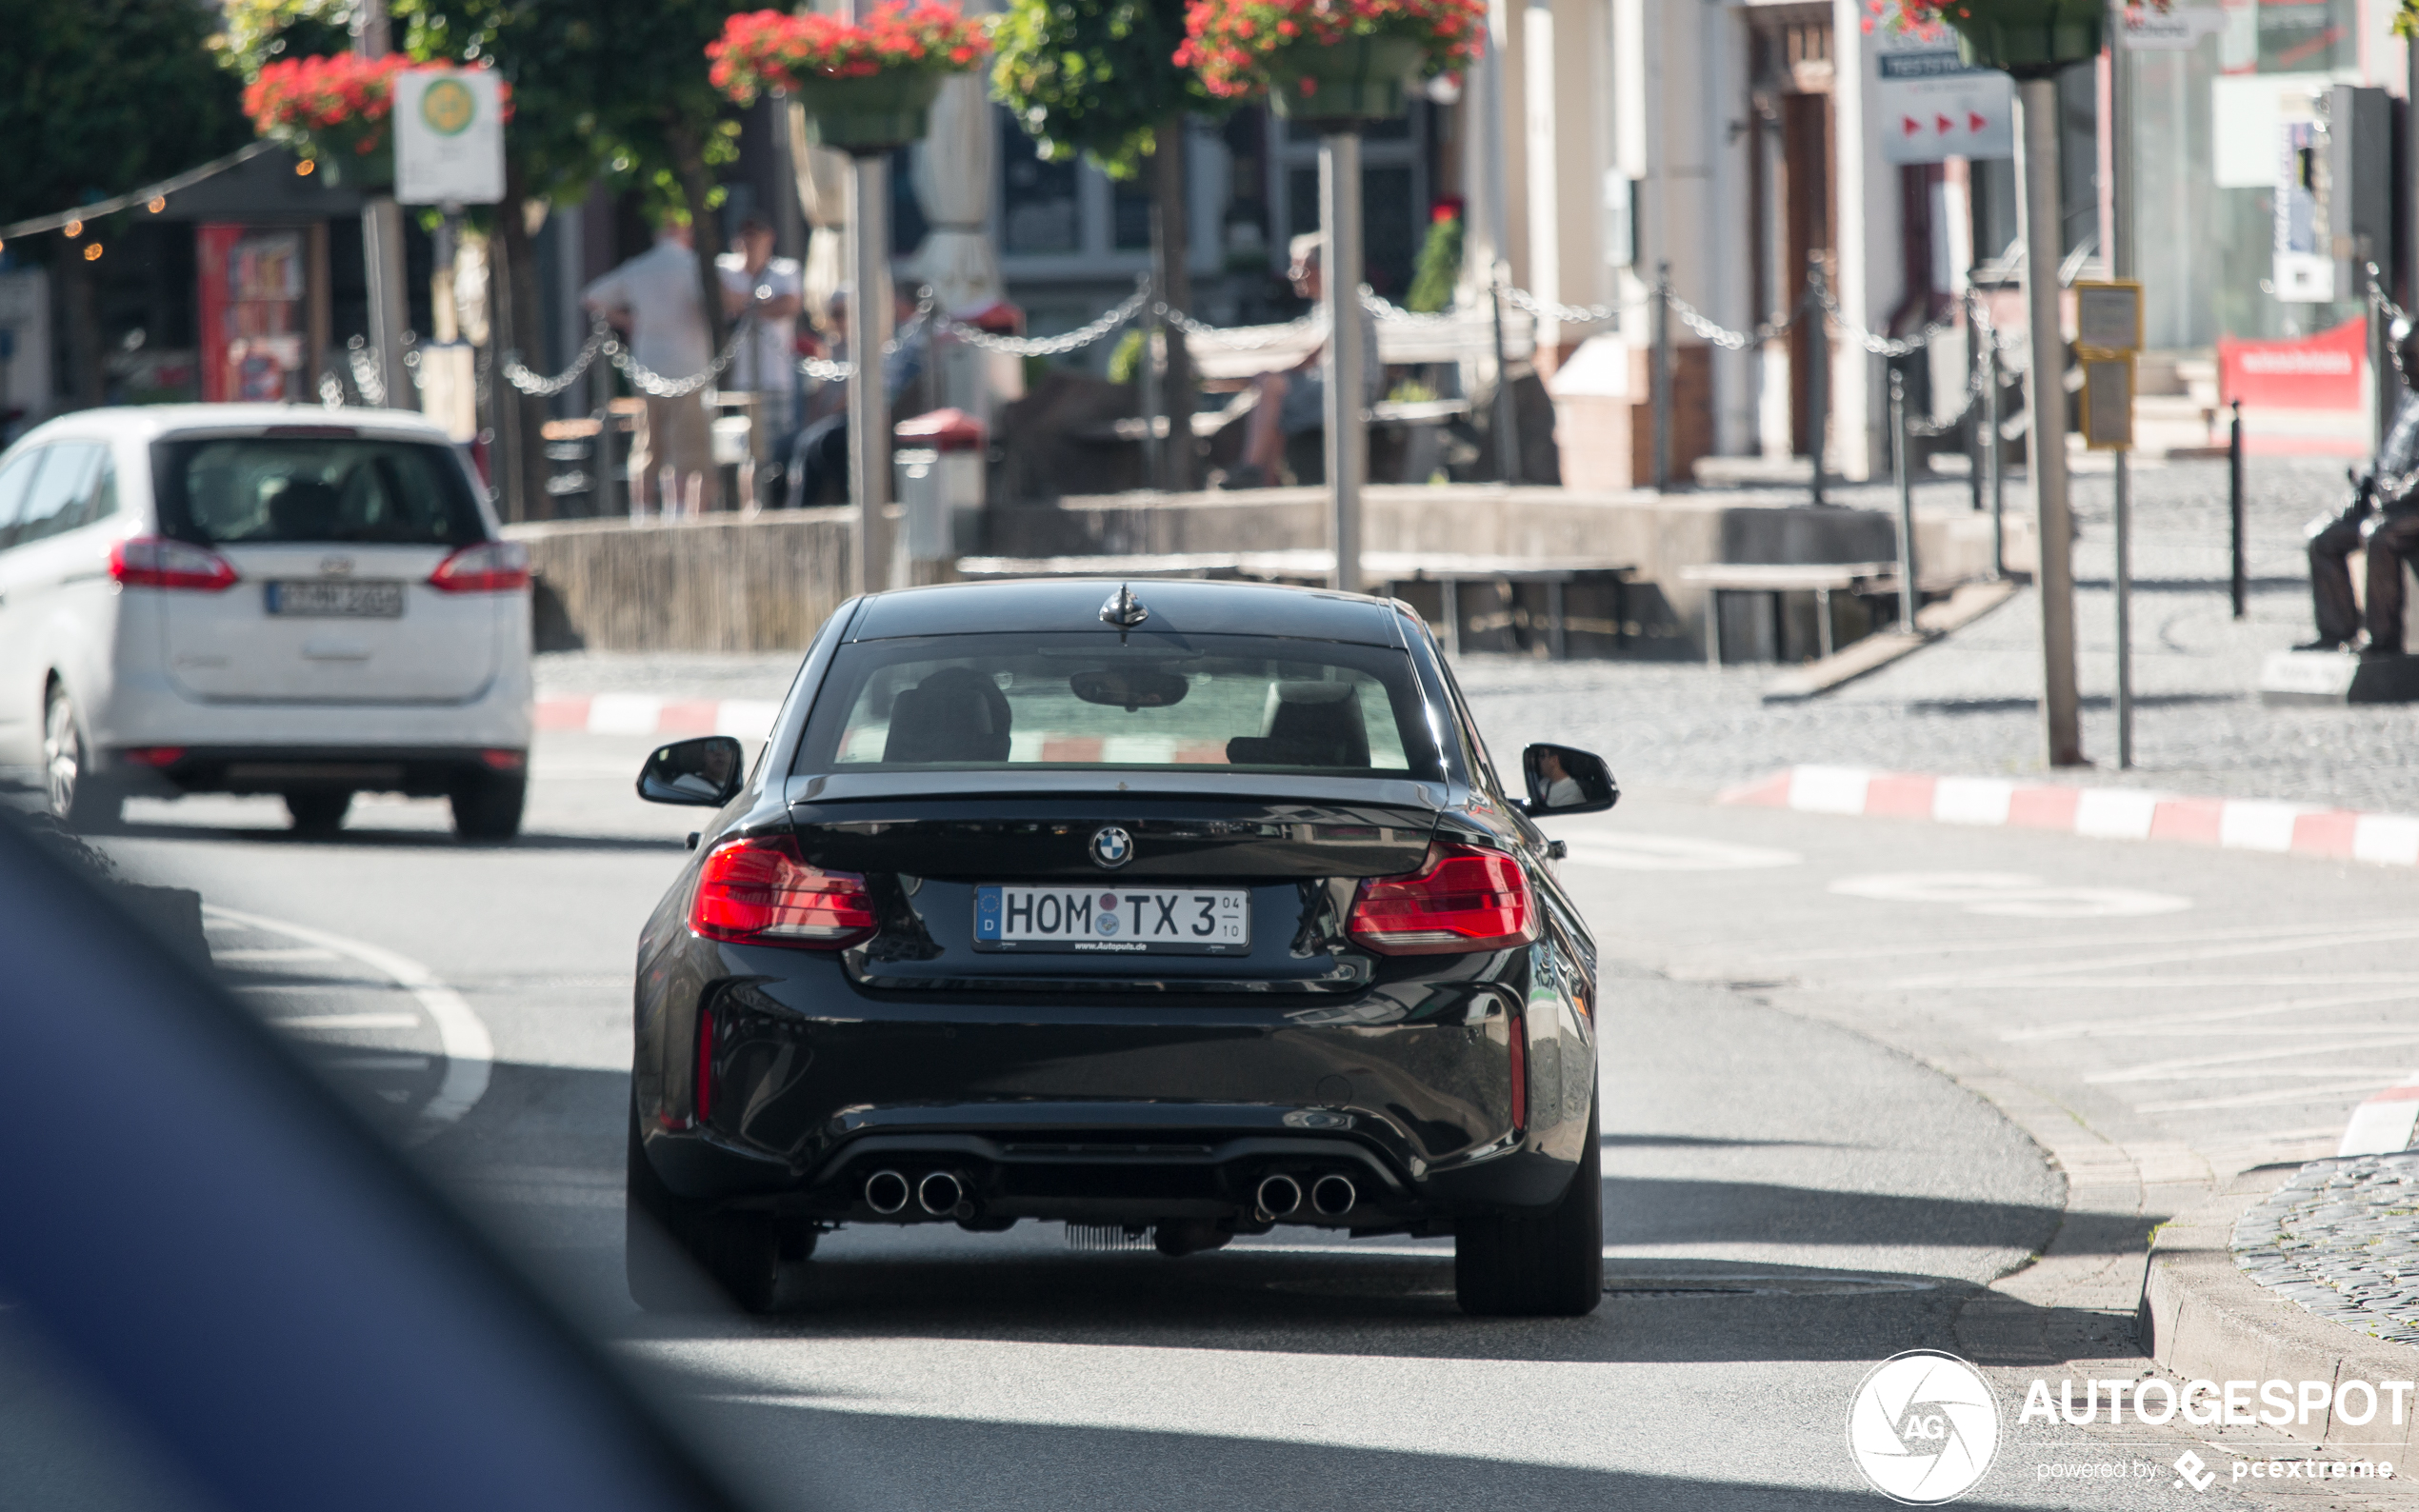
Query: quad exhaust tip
x=1279 y=1195
x=940 y=1193
x=886 y=1192
x=1333 y=1196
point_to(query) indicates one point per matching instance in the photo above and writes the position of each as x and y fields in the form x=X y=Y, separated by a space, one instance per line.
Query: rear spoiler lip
x=1427 y=795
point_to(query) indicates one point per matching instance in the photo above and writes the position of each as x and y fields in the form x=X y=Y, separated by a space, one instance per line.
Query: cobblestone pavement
x=1966 y=705
x=2338 y=1238
x=1969 y=706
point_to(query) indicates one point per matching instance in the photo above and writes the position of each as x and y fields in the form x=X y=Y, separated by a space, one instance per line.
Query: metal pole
x=1909 y=600
x=381 y=262
x=2046 y=402
x=868 y=401
x=1818 y=378
x=1992 y=442
x=1662 y=394
x=2121 y=262
x=1346 y=438
x=1507 y=418
x=2234 y=509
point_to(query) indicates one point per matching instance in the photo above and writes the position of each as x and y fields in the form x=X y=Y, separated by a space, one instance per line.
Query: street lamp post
x=382 y=241
x=2046 y=402
x=869 y=331
x=1346 y=438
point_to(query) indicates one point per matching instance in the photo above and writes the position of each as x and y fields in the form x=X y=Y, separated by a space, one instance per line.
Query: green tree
x=604 y=92
x=1098 y=77
x=96 y=98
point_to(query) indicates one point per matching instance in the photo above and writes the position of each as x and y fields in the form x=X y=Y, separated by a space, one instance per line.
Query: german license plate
x=340 y=600
x=1115 y=921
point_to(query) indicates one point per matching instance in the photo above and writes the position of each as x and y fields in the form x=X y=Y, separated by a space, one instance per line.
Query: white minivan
x=260 y=599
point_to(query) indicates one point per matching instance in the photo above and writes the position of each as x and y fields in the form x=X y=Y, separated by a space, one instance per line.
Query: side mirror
x=704 y=773
x=1564 y=781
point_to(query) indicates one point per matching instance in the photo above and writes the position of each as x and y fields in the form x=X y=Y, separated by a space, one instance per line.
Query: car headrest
x=955 y=714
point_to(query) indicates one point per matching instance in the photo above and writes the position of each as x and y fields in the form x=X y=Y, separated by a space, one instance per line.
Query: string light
x=302 y=169
x=159 y=203
x=73 y=229
x=93 y=251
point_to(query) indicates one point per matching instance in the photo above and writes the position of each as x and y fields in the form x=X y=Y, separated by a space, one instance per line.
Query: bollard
x=1818 y=378
x=1906 y=595
x=1991 y=443
x=2234 y=508
x=1661 y=386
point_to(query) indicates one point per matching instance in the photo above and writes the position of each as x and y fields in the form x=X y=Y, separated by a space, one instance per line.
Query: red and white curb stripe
x=646 y=714
x=2107 y=813
x=2382 y=1124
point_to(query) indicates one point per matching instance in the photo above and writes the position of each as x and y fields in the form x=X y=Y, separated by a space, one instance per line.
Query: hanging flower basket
x=1341 y=61
x=2030 y=39
x=334 y=111
x=865 y=88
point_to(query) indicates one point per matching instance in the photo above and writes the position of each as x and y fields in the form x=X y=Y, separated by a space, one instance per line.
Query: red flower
x=768 y=50
x=1231 y=43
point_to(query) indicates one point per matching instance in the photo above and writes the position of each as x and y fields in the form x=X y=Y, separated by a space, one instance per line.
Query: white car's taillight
x=156 y=561
x=491 y=566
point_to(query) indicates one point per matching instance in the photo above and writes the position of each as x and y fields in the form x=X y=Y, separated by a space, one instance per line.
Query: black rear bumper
x=419 y=771
x=1105 y=1111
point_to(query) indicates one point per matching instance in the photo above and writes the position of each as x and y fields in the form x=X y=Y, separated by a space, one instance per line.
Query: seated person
x=2384 y=517
x=1307 y=725
x=1293 y=403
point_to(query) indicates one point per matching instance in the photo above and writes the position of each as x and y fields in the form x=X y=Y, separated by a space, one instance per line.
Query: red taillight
x=154 y=561
x=491 y=566
x=760 y=892
x=504 y=761
x=152 y=755
x=705 y=1064
x=1465 y=899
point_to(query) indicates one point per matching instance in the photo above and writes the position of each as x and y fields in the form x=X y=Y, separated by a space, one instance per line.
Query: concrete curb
x=2203 y=1319
x=648 y=714
x=2104 y=813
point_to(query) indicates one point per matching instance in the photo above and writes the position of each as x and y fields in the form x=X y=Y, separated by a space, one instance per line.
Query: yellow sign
x=2107 y=316
x=447 y=107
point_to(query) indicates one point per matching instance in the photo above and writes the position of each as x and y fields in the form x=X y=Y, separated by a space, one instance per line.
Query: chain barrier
x=1076 y=340
x=655 y=386
x=519 y=376
x=366 y=381
x=2395 y=315
x=331 y=390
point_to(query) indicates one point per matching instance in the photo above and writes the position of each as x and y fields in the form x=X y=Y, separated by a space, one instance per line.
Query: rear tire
x=1547 y=1266
x=680 y=1257
x=318 y=813
x=487 y=805
x=76 y=795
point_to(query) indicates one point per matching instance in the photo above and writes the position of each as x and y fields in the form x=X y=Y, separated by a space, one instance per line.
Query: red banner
x=2314 y=373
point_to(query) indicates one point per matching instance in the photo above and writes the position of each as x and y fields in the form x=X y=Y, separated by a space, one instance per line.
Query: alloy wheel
x=62 y=754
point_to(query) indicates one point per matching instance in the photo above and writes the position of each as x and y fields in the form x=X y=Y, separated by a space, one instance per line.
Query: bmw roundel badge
x=1111 y=847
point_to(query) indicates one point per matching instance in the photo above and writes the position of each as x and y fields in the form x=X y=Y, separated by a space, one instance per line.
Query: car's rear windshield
x=264 y=489
x=1236 y=702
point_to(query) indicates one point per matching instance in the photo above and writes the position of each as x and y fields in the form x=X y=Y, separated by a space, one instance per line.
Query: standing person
x=1293 y=403
x=654 y=299
x=756 y=283
x=2383 y=519
x=821 y=457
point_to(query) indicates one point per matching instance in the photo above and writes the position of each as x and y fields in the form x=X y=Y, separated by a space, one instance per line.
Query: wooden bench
x=1316 y=565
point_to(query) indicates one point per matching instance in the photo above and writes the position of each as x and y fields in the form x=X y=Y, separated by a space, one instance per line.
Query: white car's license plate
x=343 y=600
x=1115 y=921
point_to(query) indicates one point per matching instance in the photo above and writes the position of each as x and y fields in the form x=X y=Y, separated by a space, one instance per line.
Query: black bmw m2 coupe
x=1192 y=908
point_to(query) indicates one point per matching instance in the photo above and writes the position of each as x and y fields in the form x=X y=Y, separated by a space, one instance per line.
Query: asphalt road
x=1825 y=1041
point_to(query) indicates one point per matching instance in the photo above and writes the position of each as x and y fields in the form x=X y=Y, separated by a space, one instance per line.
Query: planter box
x=2030 y=38
x=1339 y=86
x=869 y=115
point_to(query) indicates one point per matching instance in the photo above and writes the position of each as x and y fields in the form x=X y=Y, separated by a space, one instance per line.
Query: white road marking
x=321 y=984
x=469 y=1050
x=2009 y=895
x=2006 y=944
x=275 y=953
x=2278 y=1098
x=2211 y=1065
x=308 y=1022
x=1633 y=852
x=2092 y=1028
